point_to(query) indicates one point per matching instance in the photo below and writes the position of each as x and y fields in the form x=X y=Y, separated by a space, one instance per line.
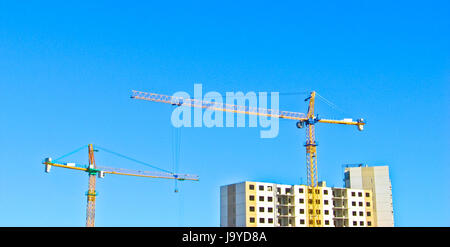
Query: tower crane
x=307 y=120
x=93 y=171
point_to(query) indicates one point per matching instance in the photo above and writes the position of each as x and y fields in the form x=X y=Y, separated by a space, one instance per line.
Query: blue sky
x=67 y=71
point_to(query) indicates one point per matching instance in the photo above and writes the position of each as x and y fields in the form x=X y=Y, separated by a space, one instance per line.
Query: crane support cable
x=134 y=160
x=68 y=154
x=281 y=94
x=331 y=104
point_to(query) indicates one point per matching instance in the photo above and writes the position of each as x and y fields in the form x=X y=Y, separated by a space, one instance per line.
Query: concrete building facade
x=257 y=204
x=375 y=179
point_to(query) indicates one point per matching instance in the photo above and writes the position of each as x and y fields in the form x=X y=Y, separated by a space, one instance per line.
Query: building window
x=251 y=187
x=310 y=201
x=354 y=213
x=325 y=192
x=353 y=194
x=251 y=198
x=361 y=213
x=355 y=223
x=310 y=211
x=354 y=204
x=359 y=194
x=326 y=202
x=369 y=213
x=327 y=222
x=261 y=187
x=318 y=222
x=317 y=191
x=367 y=194
x=300 y=190
x=261 y=209
x=269 y=198
x=318 y=211
x=317 y=201
x=270 y=210
x=252 y=220
x=278 y=190
x=369 y=223
x=261 y=198
x=261 y=220
x=270 y=220
x=361 y=223
x=302 y=222
x=269 y=188
x=360 y=204
x=368 y=204
x=302 y=211
x=309 y=191
x=302 y=200
x=326 y=212
x=252 y=209
x=288 y=190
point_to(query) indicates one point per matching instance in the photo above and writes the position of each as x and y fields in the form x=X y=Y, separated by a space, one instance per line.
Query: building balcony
x=339 y=198
x=286 y=216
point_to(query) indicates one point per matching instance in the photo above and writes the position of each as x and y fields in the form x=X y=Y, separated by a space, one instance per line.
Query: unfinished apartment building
x=258 y=204
x=365 y=202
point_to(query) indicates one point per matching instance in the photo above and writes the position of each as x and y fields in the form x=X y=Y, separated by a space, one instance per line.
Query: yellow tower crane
x=304 y=120
x=94 y=171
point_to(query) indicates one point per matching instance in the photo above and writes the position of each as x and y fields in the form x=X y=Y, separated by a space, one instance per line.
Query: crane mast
x=311 y=153
x=91 y=194
x=311 y=166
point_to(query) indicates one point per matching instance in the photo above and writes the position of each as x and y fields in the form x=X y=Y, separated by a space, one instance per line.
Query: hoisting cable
x=176 y=145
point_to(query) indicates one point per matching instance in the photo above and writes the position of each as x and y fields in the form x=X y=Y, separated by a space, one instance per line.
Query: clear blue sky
x=67 y=70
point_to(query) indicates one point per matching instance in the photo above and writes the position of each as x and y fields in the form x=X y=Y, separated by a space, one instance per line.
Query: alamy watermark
x=210 y=110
